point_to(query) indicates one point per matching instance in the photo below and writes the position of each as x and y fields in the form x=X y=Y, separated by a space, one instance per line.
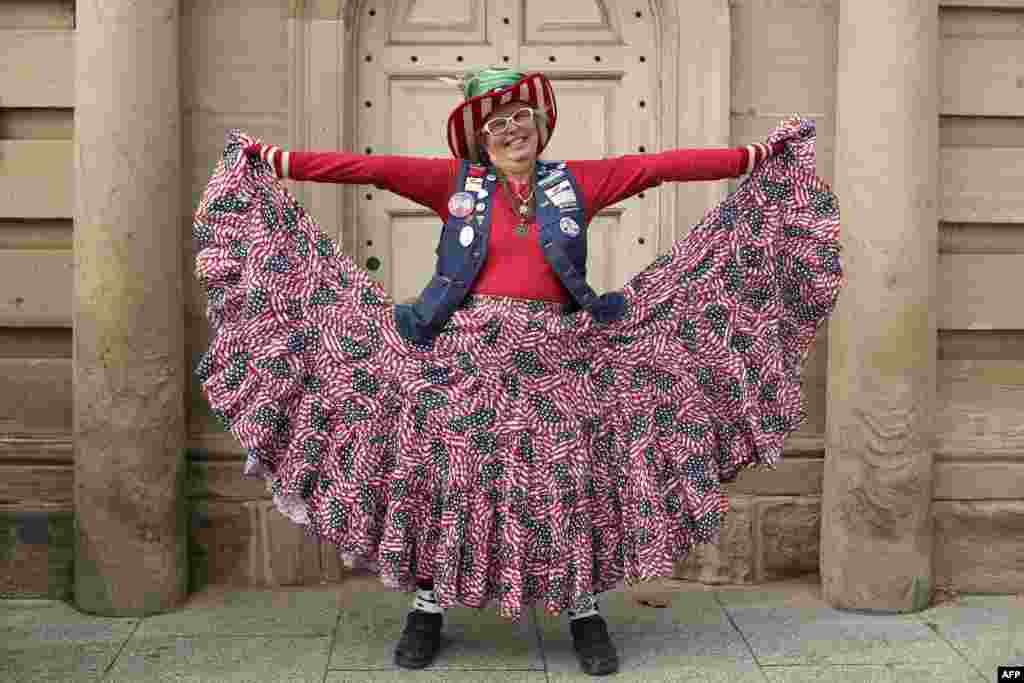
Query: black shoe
x=593 y=647
x=420 y=640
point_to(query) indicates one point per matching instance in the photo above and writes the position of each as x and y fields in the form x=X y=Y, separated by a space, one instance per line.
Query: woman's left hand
x=759 y=151
x=246 y=141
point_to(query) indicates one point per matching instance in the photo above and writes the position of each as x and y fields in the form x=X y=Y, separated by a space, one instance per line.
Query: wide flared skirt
x=529 y=456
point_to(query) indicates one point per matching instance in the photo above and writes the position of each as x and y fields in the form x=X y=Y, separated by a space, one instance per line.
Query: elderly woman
x=510 y=436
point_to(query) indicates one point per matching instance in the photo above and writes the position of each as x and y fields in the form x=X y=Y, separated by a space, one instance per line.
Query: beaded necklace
x=523 y=206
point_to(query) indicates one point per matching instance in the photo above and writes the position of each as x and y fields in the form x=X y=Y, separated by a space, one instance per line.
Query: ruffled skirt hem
x=528 y=456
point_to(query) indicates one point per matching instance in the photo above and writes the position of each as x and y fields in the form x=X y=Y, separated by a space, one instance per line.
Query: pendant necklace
x=524 y=206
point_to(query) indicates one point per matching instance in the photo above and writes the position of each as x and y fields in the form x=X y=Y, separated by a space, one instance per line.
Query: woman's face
x=517 y=145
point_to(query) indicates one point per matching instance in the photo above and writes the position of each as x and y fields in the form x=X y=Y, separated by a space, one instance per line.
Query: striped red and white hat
x=489 y=88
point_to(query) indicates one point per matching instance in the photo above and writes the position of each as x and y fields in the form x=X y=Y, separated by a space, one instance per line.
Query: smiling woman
x=510 y=141
x=512 y=437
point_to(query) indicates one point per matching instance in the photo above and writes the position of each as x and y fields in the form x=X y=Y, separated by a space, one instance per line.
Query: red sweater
x=514 y=265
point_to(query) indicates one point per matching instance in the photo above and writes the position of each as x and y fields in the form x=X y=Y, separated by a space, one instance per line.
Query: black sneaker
x=420 y=640
x=593 y=646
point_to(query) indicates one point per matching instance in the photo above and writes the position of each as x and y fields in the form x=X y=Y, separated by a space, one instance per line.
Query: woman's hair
x=484 y=157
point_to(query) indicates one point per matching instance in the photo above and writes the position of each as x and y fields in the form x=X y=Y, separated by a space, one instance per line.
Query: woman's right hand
x=247 y=142
x=256 y=149
x=263 y=151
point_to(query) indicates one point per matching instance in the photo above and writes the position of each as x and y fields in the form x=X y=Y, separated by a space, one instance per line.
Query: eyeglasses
x=499 y=125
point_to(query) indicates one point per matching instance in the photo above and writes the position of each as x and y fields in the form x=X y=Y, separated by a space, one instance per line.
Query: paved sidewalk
x=776 y=633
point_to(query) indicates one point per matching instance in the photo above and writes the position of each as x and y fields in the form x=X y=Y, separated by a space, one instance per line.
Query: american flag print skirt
x=530 y=456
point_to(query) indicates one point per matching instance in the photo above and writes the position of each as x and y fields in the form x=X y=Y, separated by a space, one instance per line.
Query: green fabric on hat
x=486 y=80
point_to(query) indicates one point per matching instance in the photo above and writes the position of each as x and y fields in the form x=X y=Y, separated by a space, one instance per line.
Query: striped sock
x=586 y=606
x=426 y=601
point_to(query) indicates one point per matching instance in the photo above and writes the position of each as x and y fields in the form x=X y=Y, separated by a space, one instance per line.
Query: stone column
x=876 y=527
x=129 y=365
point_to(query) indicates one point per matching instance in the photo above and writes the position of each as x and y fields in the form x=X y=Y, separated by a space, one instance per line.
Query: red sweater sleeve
x=608 y=181
x=423 y=180
x=427 y=181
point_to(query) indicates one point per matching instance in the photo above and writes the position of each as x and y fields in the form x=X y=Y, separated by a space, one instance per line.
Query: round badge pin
x=491 y=176
x=466 y=236
x=569 y=227
x=460 y=204
x=480 y=206
x=481 y=194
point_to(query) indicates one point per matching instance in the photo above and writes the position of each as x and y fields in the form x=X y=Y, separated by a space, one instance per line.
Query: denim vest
x=463 y=247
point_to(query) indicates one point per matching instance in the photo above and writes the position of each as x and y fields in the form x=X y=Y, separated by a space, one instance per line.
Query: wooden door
x=602 y=60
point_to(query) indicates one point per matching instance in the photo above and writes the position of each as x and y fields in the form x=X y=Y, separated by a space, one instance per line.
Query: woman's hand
x=759 y=151
x=246 y=141
x=253 y=148
x=269 y=153
x=256 y=149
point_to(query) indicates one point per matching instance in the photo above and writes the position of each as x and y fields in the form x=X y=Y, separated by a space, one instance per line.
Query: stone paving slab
x=224 y=659
x=664 y=631
x=403 y=676
x=987 y=630
x=59 y=663
x=292 y=611
x=688 y=639
x=372 y=619
x=972 y=635
x=49 y=640
x=53 y=621
x=807 y=636
x=891 y=673
x=652 y=658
